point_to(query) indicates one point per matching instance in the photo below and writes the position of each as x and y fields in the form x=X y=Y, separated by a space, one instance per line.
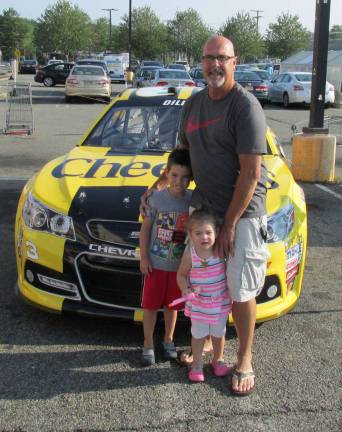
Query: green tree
x=63 y=28
x=149 y=35
x=287 y=36
x=187 y=34
x=242 y=31
x=335 y=32
x=14 y=33
x=99 y=35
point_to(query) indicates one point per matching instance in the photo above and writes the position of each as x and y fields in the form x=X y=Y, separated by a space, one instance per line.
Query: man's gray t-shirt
x=217 y=131
x=169 y=215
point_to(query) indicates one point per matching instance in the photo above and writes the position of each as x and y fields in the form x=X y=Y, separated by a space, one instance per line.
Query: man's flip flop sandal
x=240 y=376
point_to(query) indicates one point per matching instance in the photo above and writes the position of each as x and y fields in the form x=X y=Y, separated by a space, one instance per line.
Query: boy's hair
x=179 y=157
x=200 y=216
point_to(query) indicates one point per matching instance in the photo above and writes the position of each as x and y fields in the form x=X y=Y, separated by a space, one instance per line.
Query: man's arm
x=250 y=173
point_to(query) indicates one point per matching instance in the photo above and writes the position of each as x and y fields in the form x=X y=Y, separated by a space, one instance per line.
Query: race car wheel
x=48 y=82
x=286 y=100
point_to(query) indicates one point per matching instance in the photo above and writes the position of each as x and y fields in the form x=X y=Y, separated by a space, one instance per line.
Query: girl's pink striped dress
x=208 y=280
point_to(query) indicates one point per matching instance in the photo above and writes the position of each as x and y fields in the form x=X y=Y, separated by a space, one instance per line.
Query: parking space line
x=14 y=178
x=324 y=188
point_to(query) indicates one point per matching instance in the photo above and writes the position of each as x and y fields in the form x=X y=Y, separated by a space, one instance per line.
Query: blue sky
x=214 y=15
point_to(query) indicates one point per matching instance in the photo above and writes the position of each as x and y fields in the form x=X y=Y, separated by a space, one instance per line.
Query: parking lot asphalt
x=75 y=374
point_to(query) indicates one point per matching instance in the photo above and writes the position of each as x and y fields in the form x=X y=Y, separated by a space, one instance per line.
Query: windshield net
x=137 y=129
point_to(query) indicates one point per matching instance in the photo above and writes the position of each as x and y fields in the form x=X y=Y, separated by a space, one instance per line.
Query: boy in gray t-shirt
x=162 y=242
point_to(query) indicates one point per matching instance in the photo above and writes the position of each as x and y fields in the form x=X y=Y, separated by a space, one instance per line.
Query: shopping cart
x=19 y=113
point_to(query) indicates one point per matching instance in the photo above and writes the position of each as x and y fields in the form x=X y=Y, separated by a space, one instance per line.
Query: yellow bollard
x=130 y=76
x=313 y=157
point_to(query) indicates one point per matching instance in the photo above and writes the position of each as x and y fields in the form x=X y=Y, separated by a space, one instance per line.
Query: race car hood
x=114 y=181
x=93 y=174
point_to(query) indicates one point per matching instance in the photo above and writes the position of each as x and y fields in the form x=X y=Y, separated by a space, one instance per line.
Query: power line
x=258 y=16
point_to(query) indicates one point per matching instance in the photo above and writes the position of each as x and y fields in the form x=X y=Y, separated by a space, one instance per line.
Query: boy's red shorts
x=160 y=289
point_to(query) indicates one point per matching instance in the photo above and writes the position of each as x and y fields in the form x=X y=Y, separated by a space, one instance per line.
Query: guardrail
x=332 y=123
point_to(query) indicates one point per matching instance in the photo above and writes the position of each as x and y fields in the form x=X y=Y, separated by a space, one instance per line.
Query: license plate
x=249 y=88
x=89 y=83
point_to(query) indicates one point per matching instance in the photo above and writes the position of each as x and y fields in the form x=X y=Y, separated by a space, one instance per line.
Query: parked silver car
x=89 y=82
x=171 y=78
x=295 y=87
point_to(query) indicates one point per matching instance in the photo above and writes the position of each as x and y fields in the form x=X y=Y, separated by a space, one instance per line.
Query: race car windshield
x=137 y=129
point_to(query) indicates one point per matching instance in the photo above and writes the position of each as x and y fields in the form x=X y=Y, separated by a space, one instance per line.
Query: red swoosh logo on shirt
x=192 y=127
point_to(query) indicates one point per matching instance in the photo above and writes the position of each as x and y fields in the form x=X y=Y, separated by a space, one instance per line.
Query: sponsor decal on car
x=115 y=251
x=293 y=259
x=88 y=168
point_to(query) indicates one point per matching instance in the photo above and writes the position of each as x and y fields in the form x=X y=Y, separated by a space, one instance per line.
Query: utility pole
x=110 y=25
x=130 y=35
x=258 y=16
x=319 y=66
x=314 y=151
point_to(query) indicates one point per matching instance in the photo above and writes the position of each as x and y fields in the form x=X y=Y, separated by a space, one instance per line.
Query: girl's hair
x=201 y=216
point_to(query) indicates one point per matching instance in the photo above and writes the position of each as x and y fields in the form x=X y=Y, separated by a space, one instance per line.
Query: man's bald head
x=218 y=42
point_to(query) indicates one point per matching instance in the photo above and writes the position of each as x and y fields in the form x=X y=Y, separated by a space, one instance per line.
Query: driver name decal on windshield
x=174 y=102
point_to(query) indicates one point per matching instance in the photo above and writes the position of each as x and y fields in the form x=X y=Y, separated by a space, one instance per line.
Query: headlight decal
x=39 y=217
x=280 y=224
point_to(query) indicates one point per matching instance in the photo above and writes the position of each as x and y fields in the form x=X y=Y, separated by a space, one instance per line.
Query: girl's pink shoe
x=196 y=375
x=220 y=368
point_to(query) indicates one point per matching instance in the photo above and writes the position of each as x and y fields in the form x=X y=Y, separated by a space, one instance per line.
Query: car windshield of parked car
x=198 y=74
x=176 y=66
x=29 y=62
x=147 y=73
x=263 y=75
x=137 y=129
x=83 y=70
x=246 y=76
x=304 y=77
x=173 y=74
x=151 y=63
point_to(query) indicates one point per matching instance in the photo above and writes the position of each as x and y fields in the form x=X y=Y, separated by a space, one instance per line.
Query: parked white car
x=295 y=87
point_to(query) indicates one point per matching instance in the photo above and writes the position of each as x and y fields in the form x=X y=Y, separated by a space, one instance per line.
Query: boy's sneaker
x=169 y=351
x=147 y=357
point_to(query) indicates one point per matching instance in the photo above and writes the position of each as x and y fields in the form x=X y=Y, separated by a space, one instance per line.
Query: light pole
x=110 y=25
x=129 y=35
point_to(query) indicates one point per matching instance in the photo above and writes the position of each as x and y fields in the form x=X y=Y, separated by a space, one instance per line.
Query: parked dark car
x=53 y=74
x=254 y=84
x=196 y=74
x=151 y=63
x=28 y=66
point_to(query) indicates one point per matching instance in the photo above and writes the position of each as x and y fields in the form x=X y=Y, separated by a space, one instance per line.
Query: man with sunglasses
x=224 y=128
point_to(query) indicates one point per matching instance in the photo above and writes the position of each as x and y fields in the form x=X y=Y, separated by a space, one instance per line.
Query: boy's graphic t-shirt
x=169 y=215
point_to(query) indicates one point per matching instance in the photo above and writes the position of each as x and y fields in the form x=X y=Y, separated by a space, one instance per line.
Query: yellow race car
x=77 y=224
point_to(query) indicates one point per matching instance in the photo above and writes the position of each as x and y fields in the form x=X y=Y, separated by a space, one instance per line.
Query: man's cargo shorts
x=246 y=267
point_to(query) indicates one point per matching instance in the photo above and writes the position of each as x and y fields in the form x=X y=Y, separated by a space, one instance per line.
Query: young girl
x=205 y=275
